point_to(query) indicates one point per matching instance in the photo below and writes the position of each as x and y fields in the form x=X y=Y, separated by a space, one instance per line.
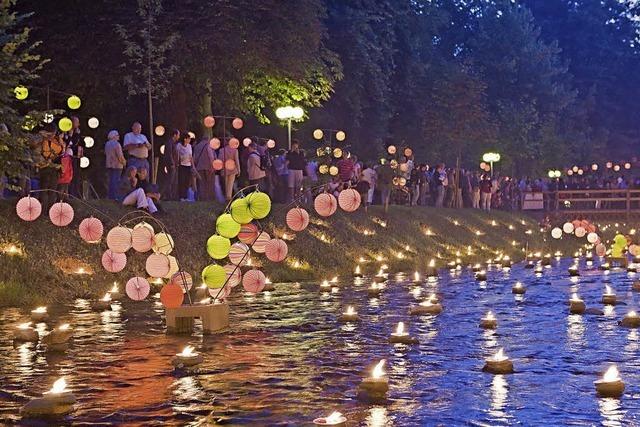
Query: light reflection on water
x=287 y=360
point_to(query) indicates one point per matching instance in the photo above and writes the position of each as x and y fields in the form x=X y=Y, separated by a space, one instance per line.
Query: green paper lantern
x=73 y=102
x=240 y=211
x=616 y=252
x=214 y=276
x=226 y=226
x=65 y=124
x=620 y=240
x=259 y=204
x=218 y=247
x=21 y=92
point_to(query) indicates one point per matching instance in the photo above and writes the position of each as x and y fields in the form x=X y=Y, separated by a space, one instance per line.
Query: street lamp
x=289 y=113
x=491 y=158
x=554 y=173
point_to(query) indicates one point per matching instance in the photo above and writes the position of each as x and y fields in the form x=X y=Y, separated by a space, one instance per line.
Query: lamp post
x=491 y=158
x=289 y=113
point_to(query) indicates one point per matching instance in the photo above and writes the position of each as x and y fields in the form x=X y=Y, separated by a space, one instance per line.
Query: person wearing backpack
x=255 y=172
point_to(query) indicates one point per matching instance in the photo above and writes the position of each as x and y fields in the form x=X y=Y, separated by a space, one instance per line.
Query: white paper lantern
x=567 y=228
x=556 y=233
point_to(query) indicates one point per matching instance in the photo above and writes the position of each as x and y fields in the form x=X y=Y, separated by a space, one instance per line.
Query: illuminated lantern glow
x=609 y=165
x=182 y=279
x=341 y=136
x=238 y=254
x=234 y=142
x=226 y=226
x=65 y=124
x=28 y=208
x=218 y=247
x=337 y=153
x=240 y=211
x=61 y=214
x=349 y=200
x=259 y=245
x=160 y=130
x=592 y=237
x=119 y=239
x=84 y=162
x=217 y=164
x=88 y=142
x=318 y=134
x=214 y=143
x=276 y=250
x=237 y=123
x=113 y=262
x=627 y=165
x=73 y=102
x=580 y=232
x=171 y=296
x=391 y=149
x=234 y=275
x=142 y=238
x=253 y=281
x=297 y=219
x=214 y=276
x=248 y=233
x=408 y=152
x=556 y=233
x=271 y=143
x=230 y=164
x=616 y=168
x=163 y=243
x=568 y=228
x=594 y=167
x=323 y=169
x=325 y=204
x=246 y=142
x=137 y=288
x=258 y=204
x=333 y=170
x=91 y=230
x=209 y=122
x=93 y=122
x=157 y=265
x=21 y=92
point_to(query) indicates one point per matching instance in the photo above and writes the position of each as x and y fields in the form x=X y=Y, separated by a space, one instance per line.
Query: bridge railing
x=585 y=202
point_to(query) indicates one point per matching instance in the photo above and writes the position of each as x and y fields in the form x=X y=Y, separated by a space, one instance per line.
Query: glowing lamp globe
x=214 y=143
x=91 y=230
x=261 y=242
x=556 y=233
x=28 y=208
x=209 y=122
x=333 y=170
x=171 y=296
x=592 y=238
x=318 y=134
x=93 y=122
x=157 y=265
x=74 y=102
x=226 y=226
x=341 y=136
x=65 y=124
x=21 y=92
x=218 y=164
x=240 y=211
x=237 y=123
x=160 y=130
x=246 y=142
x=230 y=164
x=61 y=214
x=271 y=143
x=349 y=200
x=627 y=165
x=88 y=142
x=84 y=162
x=258 y=204
x=254 y=281
x=137 y=288
x=391 y=149
x=568 y=228
x=337 y=153
x=163 y=243
x=248 y=233
x=234 y=142
x=325 y=204
x=214 y=276
x=297 y=113
x=297 y=219
x=113 y=262
x=276 y=250
x=238 y=254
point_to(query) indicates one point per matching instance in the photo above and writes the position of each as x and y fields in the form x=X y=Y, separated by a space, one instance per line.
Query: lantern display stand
x=214 y=317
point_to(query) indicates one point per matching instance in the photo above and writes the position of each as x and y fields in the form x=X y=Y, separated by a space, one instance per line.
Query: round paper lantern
x=297 y=219
x=237 y=123
x=246 y=142
x=234 y=275
x=209 y=121
x=349 y=200
x=214 y=276
x=160 y=130
x=157 y=265
x=391 y=149
x=259 y=245
x=341 y=136
x=601 y=250
x=218 y=246
x=214 y=143
x=226 y=226
x=234 y=142
x=576 y=223
x=113 y=262
x=119 y=239
x=182 y=279
x=91 y=230
x=259 y=204
x=93 y=122
x=28 y=208
x=163 y=243
x=74 y=102
x=238 y=253
x=318 y=134
x=248 y=233
x=61 y=214
x=173 y=267
x=84 y=162
x=634 y=249
x=142 y=238
x=616 y=252
x=217 y=164
x=568 y=228
x=21 y=92
x=220 y=294
x=89 y=142
x=137 y=288
x=230 y=164
x=253 y=281
x=556 y=233
x=276 y=250
x=620 y=240
x=240 y=211
x=592 y=238
x=271 y=143
x=65 y=124
x=171 y=296
x=580 y=232
x=325 y=204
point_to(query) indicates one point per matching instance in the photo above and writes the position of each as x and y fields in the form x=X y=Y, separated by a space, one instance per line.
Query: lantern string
x=77 y=199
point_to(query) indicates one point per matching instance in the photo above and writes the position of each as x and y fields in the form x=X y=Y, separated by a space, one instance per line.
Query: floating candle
x=401 y=336
x=103 y=303
x=358 y=271
x=518 y=289
x=374 y=290
x=377 y=384
x=481 y=276
x=325 y=285
x=25 y=332
x=576 y=305
x=609 y=297
x=350 y=315
x=335 y=419
x=416 y=277
x=39 y=314
x=56 y=402
x=631 y=320
x=115 y=291
x=426 y=307
x=489 y=321
x=611 y=385
x=187 y=357
x=498 y=364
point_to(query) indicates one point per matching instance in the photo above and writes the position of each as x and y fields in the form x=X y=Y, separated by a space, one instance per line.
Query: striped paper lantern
x=349 y=200
x=163 y=243
x=113 y=262
x=254 y=281
x=28 y=208
x=137 y=288
x=142 y=238
x=173 y=267
x=297 y=219
x=276 y=250
x=234 y=275
x=61 y=214
x=261 y=242
x=119 y=239
x=325 y=204
x=91 y=230
x=157 y=265
x=248 y=233
x=220 y=294
x=182 y=279
x=238 y=254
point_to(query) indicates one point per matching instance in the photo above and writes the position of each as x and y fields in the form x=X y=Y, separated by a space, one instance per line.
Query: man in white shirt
x=137 y=146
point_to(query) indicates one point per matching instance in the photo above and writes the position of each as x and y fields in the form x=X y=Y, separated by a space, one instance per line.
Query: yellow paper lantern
x=163 y=243
x=21 y=92
x=226 y=226
x=259 y=204
x=240 y=211
x=65 y=124
x=214 y=276
x=341 y=136
x=74 y=102
x=318 y=134
x=218 y=246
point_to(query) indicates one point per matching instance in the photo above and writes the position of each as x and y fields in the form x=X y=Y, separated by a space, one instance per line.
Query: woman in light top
x=185 y=159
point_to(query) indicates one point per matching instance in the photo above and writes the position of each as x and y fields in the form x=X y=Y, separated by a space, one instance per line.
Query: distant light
x=88 y=141
x=341 y=136
x=160 y=130
x=318 y=134
x=93 y=122
x=84 y=162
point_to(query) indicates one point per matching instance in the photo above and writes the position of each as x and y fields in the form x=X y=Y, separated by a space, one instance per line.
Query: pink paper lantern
x=221 y=293
x=248 y=233
x=237 y=123
x=276 y=250
x=158 y=265
x=261 y=242
x=113 y=262
x=91 y=230
x=137 y=288
x=61 y=214
x=142 y=239
x=28 y=208
x=119 y=239
x=238 y=254
x=234 y=142
x=214 y=143
x=209 y=121
x=234 y=275
x=217 y=164
x=349 y=200
x=254 y=281
x=325 y=204
x=182 y=279
x=297 y=219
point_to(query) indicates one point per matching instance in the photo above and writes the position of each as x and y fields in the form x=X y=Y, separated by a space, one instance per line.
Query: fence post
x=628 y=203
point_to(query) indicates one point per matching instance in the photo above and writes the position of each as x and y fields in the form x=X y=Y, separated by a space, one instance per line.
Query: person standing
x=475 y=186
x=282 y=176
x=137 y=146
x=168 y=166
x=254 y=167
x=229 y=155
x=48 y=149
x=440 y=182
x=384 y=183
x=296 y=163
x=114 y=162
x=204 y=156
x=73 y=140
x=485 y=192
x=185 y=159
x=346 y=168
x=370 y=176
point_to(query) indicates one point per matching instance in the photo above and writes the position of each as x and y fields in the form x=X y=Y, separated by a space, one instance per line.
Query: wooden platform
x=616 y=262
x=215 y=317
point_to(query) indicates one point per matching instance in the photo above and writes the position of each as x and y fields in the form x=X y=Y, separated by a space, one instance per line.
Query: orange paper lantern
x=61 y=214
x=276 y=250
x=171 y=295
x=349 y=200
x=28 y=208
x=91 y=230
x=325 y=204
x=254 y=281
x=297 y=219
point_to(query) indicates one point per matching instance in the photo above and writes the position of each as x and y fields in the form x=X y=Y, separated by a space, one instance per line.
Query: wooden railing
x=592 y=202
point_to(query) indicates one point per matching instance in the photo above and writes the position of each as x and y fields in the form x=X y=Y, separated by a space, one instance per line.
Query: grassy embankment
x=411 y=237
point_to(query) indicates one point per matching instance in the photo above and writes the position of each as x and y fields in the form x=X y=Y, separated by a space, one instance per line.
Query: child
x=66 y=172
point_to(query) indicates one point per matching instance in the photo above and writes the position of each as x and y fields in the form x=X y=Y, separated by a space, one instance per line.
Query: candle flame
x=499 y=355
x=357 y=269
x=24 y=325
x=40 y=310
x=106 y=297
x=325 y=283
x=187 y=351
x=64 y=327
x=114 y=288
x=334 y=418
x=490 y=316
x=612 y=374
x=518 y=285
x=400 y=328
x=350 y=310
x=426 y=303
x=575 y=297
x=335 y=279
x=416 y=276
x=607 y=290
x=432 y=263
x=632 y=313
x=59 y=386
x=377 y=370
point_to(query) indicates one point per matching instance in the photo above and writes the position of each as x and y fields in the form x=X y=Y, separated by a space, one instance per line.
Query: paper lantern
x=408 y=152
x=556 y=233
x=591 y=228
x=568 y=228
x=601 y=250
x=173 y=267
x=234 y=275
x=240 y=211
x=157 y=265
x=221 y=293
x=248 y=233
x=325 y=204
x=246 y=142
x=230 y=164
x=74 y=102
x=580 y=232
x=234 y=142
x=634 y=250
x=218 y=246
x=271 y=143
x=297 y=219
x=61 y=214
x=237 y=123
x=28 y=208
x=88 y=142
x=209 y=121
x=391 y=149
x=318 y=134
x=226 y=226
x=616 y=252
x=214 y=143
x=217 y=164
x=341 y=136
x=276 y=250
x=21 y=92
x=333 y=170
x=238 y=253
x=160 y=130
x=91 y=230
x=259 y=204
x=163 y=243
x=171 y=296
x=137 y=288
x=261 y=242
x=182 y=279
x=253 y=281
x=592 y=237
x=65 y=124
x=119 y=239
x=84 y=162
x=214 y=276
x=620 y=240
x=93 y=122
x=142 y=237
x=113 y=262
x=349 y=200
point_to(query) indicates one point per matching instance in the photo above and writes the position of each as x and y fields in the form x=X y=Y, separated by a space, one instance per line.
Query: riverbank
x=406 y=239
